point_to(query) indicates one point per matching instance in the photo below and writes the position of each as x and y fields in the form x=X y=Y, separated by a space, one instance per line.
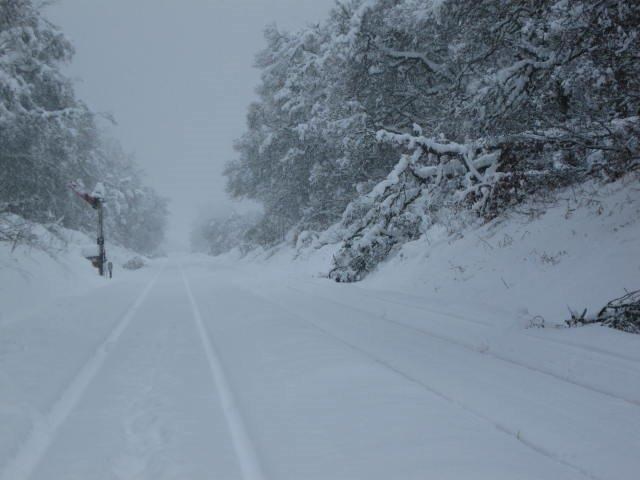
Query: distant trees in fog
x=221 y=233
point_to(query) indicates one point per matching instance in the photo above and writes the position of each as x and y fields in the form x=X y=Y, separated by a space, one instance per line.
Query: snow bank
x=529 y=268
x=30 y=277
x=579 y=253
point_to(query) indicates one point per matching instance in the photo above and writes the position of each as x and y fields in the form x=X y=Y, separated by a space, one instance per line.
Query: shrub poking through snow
x=622 y=314
x=135 y=263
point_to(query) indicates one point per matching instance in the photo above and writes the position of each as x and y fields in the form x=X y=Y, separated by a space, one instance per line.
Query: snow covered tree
x=37 y=109
x=49 y=138
x=472 y=105
x=221 y=234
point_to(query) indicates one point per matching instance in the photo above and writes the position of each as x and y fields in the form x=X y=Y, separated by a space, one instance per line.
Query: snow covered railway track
x=635 y=360
x=421 y=308
x=43 y=434
x=248 y=461
x=586 y=349
x=441 y=394
x=554 y=418
x=476 y=349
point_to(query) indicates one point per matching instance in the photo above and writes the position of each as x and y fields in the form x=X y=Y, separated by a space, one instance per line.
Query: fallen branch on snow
x=622 y=314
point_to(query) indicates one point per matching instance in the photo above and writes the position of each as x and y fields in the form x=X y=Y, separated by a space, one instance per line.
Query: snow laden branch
x=431 y=176
x=475 y=163
x=467 y=154
x=433 y=66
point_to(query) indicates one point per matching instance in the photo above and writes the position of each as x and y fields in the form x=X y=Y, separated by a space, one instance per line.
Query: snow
x=257 y=367
x=99 y=191
x=31 y=277
x=581 y=253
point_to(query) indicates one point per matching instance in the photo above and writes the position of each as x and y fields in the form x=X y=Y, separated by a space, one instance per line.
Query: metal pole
x=101 y=253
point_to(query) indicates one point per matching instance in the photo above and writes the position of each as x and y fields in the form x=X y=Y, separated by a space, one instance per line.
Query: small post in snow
x=101 y=252
x=95 y=199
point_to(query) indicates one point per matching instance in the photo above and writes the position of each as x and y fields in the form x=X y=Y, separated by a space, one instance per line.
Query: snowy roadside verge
x=526 y=269
x=56 y=315
x=33 y=274
x=536 y=263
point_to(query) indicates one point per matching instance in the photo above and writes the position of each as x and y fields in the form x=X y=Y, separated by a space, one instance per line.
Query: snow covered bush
x=376 y=222
x=135 y=263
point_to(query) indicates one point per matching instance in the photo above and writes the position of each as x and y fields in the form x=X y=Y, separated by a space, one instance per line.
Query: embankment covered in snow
x=47 y=265
x=528 y=267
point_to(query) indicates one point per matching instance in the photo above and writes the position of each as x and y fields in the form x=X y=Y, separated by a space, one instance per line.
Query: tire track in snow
x=242 y=444
x=44 y=432
x=502 y=428
x=475 y=349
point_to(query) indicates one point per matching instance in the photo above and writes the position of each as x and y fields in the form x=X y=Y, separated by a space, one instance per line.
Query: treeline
x=221 y=233
x=392 y=115
x=49 y=138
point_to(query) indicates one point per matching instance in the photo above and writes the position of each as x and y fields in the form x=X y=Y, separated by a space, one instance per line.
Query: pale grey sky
x=178 y=76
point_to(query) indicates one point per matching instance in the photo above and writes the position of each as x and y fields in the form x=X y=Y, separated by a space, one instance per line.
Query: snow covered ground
x=219 y=368
x=31 y=277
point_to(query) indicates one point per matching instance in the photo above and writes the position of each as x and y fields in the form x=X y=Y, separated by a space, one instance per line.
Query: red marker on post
x=91 y=200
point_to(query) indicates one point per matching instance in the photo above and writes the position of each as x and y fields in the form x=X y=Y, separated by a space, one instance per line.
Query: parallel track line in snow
x=474 y=349
x=586 y=348
x=245 y=451
x=415 y=307
x=42 y=436
x=573 y=345
x=504 y=429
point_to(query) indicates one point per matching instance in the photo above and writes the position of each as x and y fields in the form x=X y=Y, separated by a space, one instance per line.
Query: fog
x=178 y=77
